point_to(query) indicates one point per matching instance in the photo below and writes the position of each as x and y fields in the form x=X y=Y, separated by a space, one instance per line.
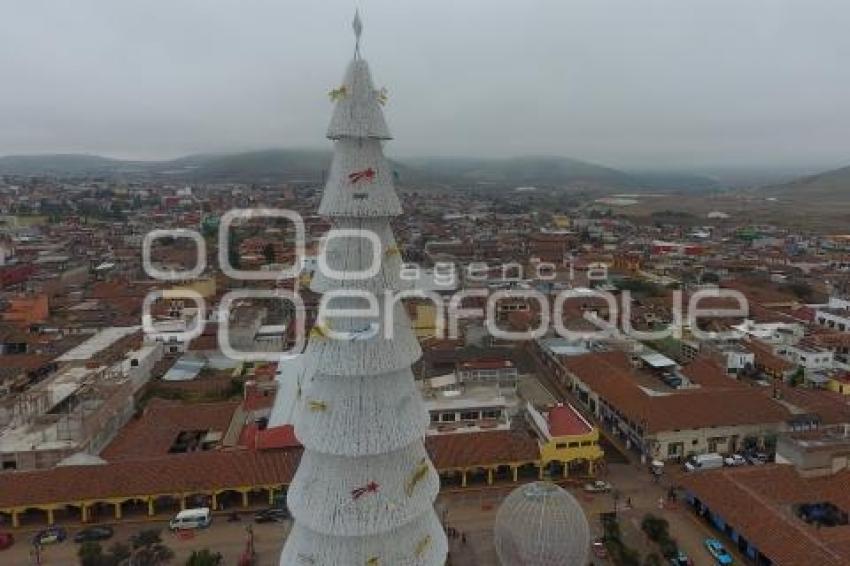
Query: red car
x=6 y=540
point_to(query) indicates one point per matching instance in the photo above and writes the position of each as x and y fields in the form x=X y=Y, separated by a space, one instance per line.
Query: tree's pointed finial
x=357 y=25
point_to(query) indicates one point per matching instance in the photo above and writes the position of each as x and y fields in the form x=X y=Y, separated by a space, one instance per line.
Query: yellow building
x=839 y=384
x=561 y=221
x=27 y=221
x=206 y=287
x=424 y=319
x=566 y=438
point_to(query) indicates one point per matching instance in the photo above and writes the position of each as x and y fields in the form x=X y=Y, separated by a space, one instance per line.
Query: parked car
x=271 y=515
x=656 y=468
x=718 y=551
x=599 y=549
x=6 y=540
x=197 y=518
x=598 y=486
x=99 y=532
x=757 y=458
x=710 y=461
x=50 y=535
x=681 y=559
x=735 y=460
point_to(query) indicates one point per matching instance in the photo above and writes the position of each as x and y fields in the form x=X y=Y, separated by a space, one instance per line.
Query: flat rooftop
x=40 y=431
x=822 y=438
x=97 y=343
x=563 y=347
x=469 y=397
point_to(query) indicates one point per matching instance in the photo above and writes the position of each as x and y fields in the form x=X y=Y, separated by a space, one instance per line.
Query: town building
x=794 y=513
x=566 y=438
x=716 y=414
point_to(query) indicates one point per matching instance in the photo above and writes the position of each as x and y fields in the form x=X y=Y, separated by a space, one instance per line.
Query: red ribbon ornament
x=364 y=175
x=371 y=487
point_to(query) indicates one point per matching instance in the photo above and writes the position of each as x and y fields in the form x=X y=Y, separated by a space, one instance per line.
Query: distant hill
x=678 y=181
x=833 y=186
x=516 y=171
x=270 y=165
x=274 y=165
x=248 y=166
x=265 y=165
x=68 y=165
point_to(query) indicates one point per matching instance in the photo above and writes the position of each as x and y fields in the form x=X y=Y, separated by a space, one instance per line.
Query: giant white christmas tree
x=365 y=488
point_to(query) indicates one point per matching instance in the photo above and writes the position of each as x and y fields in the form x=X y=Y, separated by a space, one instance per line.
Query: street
x=470 y=512
x=227 y=538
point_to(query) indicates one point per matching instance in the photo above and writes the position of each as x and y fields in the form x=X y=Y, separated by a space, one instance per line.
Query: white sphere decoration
x=541 y=524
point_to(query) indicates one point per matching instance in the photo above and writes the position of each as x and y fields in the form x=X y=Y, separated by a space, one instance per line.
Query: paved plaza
x=469 y=513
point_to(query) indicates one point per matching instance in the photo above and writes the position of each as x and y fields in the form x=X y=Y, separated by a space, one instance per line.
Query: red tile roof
x=758 y=502
x=831 y=407
x=277 y=437
x=27 y=361
x=831 y=339
x=197 y=471
x=151 y=435
x=257 y=398
x=565 y=421
x=609 y=375
x=215 y=470
x=765 y=358
x=478 y=449
x=248 y=436
x=274 y=438
x=706 y=372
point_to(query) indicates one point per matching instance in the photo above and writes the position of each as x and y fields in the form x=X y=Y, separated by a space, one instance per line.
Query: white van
x=197 y=518
x=710 y=461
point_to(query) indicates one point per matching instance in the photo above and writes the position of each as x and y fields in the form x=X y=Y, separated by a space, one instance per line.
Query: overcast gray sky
x=652 y=83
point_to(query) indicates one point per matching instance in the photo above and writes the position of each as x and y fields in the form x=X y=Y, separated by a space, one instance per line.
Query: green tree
x=233 y=251
x=268 y=253
x=120 y=552
x=148 y=549
x=204 y=557
x=669 y=547
x=801 y=289
x=641 y=287
x=710 y=277
x=750 y=443
x=655 y=527
x=798 y=377
x=770 y=443
x=147 y=537
x=628 y=557
x=236 y=387
x=154 y=555
x=90 y=553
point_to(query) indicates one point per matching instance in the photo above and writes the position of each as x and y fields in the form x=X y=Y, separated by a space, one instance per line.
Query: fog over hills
x=833 y=185
x=275 y=165
x=279 y=165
